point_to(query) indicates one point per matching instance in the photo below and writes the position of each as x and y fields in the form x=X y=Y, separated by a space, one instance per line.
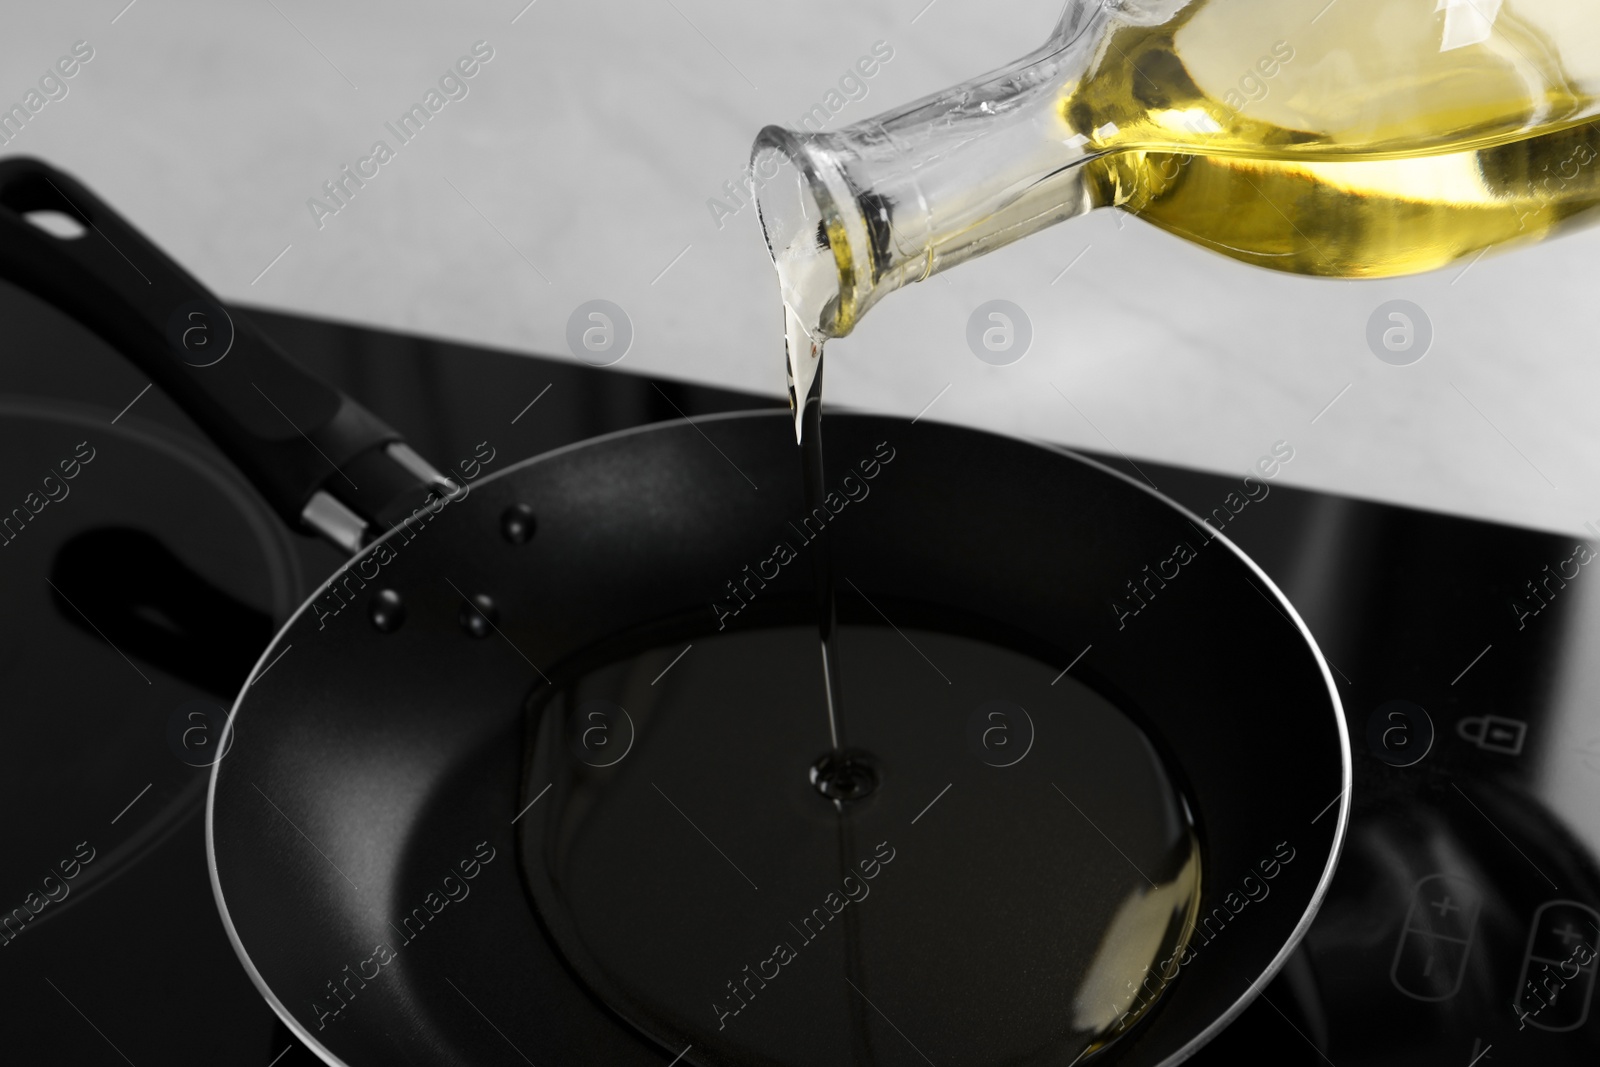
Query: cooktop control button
x=1558 y=970
x=1431 y=958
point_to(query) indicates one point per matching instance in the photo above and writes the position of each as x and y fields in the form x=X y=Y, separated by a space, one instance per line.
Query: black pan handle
x=322 y=461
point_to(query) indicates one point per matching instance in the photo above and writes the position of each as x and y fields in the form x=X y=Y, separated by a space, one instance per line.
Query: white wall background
x=593 y=139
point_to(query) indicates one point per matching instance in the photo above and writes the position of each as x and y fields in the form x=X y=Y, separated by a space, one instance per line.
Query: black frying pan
x=379 y=752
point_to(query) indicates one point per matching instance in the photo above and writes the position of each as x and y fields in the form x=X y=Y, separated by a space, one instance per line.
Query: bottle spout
x=813 y=233
x=851 y=215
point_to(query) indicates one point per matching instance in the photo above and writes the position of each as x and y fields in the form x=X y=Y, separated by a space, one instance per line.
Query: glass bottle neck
x=898 y=198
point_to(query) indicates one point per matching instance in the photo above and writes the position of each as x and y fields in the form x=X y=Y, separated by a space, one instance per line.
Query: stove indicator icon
x=1494 y=734
x=1431 y=958
x=1558 y=970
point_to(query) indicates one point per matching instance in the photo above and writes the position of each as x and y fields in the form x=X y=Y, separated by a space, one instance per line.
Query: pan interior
x=1019 y=887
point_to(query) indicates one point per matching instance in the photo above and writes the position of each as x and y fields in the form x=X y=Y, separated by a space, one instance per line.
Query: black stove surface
x=142 y=578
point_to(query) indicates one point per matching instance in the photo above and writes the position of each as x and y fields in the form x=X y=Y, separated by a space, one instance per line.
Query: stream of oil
x=842 y=774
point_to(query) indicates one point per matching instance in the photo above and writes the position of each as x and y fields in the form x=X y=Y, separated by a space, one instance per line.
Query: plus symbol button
x=1568 y=935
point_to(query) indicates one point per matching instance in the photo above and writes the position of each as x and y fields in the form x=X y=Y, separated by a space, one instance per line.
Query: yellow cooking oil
x=1367 y=143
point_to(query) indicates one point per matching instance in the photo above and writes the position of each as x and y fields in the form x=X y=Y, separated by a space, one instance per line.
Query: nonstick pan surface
x=368 y=765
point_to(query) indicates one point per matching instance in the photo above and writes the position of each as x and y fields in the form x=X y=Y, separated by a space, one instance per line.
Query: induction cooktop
x=142 y=578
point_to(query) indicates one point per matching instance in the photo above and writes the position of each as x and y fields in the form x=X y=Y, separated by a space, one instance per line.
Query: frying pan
x=380 y=755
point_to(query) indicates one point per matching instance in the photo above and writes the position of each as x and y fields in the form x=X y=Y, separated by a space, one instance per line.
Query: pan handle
x=322 y=461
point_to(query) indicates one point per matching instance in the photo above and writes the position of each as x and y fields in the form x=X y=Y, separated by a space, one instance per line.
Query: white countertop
x=579 y=165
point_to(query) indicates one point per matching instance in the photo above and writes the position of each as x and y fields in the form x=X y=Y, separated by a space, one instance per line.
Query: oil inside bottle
x=1017 y=890
x=1371 y=143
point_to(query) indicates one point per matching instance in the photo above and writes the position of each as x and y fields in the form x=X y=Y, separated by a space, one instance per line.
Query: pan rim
x=1188 y=1049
